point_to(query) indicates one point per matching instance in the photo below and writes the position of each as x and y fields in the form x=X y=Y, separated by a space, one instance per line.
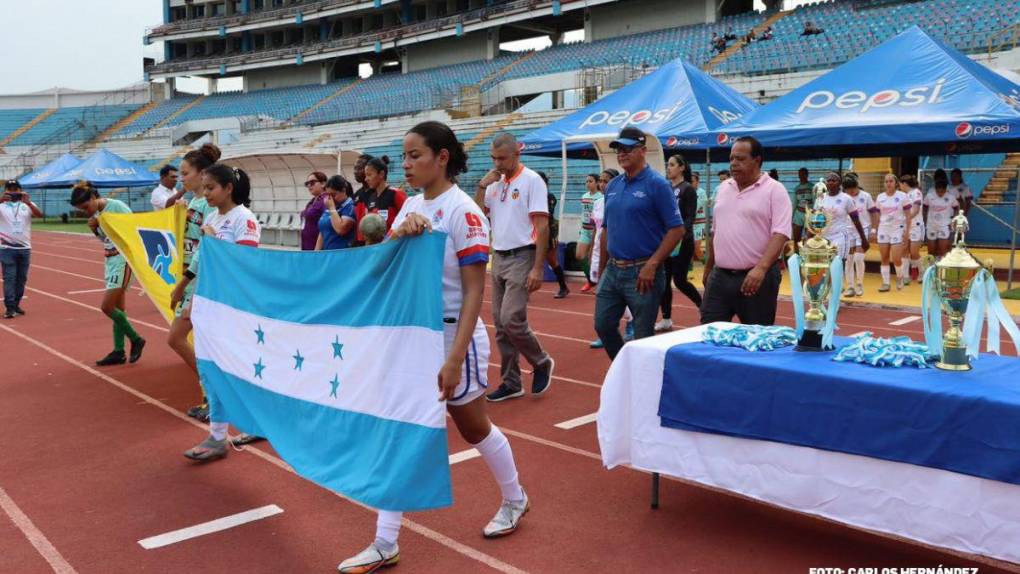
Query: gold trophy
x=954 y=274
x=816 y=255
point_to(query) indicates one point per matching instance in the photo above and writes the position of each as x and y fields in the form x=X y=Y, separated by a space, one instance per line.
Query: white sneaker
x=859 y=290
x=369 y=560
x=664 y=325
x=507 y=518
x=848 y=292
x=901 y=282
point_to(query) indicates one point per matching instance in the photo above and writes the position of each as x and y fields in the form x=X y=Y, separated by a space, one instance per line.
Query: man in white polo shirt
x=166 y=193
x=515 y=199
x=16 y=213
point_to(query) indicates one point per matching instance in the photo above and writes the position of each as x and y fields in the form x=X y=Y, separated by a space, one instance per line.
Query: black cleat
x=114 y=358
x=136 y=349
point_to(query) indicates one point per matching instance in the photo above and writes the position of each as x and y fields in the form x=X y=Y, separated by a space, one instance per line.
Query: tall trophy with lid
x=954 y=275
x=816 y=255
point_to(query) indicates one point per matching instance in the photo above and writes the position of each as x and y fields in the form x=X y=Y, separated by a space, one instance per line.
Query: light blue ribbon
x=931 y=312
x=880 y=352
x=835 y=292
x=751 y=337
x=985 y=304
x=796 y=293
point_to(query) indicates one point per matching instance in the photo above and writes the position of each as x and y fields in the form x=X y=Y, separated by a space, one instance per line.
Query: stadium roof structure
x=105 y=169
x=678 y=104
x=911 y=95
x=50 y=171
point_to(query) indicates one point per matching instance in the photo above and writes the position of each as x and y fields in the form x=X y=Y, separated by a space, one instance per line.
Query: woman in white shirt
x=915 y=227
x=868 y=214
x=939 y=208
x=891 y=232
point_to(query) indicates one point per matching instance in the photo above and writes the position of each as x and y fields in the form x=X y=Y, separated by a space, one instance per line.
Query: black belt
x=739 y=271
x=514 y=251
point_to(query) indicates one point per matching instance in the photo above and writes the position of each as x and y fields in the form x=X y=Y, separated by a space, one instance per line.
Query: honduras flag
x=333 y=356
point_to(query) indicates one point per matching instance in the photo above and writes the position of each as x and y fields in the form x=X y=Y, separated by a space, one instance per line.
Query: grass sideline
x=71 y=227
x=1011 y=294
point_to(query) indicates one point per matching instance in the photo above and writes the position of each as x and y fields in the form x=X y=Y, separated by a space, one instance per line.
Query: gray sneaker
x=209 y=449
x=507 y=518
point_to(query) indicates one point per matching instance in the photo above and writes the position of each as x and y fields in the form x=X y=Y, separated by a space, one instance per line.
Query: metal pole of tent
x=563 y=187
x=1013 y=232
x=655 y=491
x=709 y=201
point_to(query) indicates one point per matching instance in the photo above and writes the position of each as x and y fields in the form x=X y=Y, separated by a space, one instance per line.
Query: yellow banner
x=153 y=245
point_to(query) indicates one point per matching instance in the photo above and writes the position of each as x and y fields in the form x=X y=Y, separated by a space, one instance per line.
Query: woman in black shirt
x=678 y=171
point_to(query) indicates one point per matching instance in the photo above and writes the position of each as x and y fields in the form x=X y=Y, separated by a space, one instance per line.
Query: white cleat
x=507 y=518
x=370 y=560
x=664 y=325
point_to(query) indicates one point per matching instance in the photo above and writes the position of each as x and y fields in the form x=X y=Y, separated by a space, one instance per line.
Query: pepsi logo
x=672 y=141
x=722 y=139
x=964 y=130
x=520 y=146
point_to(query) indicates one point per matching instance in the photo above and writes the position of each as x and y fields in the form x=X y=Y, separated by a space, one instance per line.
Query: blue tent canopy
x=42 y=176
x=107 y=169
x=678 y=103
x=911 y=95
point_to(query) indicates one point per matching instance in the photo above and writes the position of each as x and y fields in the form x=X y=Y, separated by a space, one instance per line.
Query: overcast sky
x=78 y=44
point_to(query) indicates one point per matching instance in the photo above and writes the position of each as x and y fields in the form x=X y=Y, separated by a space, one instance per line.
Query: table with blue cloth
x=920 y=454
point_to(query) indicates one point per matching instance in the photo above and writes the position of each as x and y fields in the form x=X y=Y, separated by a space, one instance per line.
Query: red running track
x=91 y=464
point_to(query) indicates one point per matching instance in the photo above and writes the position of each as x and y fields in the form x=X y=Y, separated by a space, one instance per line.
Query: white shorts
x=843 y=242
x=474 y=376
x=917 y=233
x=941 y=232
x=856 y=237
x=890 y=234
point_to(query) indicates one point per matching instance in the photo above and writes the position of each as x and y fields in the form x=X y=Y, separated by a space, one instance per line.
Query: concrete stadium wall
x=283 y=77
x=624 y=18
x=467 y=48
x=65 y=98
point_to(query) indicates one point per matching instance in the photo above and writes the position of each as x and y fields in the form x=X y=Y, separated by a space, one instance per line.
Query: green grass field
x=1011 y=294
x=70 y=227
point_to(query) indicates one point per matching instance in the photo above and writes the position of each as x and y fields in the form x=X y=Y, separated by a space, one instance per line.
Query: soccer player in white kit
x=915 y=225
x=433 y=158
x=845 y=229
x=891 y=233
x=868 y=214
x=940 y=207
x=959 y=188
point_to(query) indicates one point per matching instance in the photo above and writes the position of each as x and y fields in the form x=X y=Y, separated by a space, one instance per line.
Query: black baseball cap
x=12 y=184
x=629 y=136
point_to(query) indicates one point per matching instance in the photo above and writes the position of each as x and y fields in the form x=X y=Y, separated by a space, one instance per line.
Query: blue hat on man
x=629 y=136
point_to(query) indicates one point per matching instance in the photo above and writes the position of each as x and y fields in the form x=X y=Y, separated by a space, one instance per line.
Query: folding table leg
x=655 y=491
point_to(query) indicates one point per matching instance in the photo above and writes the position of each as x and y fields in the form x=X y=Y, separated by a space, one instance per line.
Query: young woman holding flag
x=433 y=158
x=85 y=196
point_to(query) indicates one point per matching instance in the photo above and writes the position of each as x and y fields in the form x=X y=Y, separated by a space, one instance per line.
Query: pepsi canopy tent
x=678 y=104
x=911 y=95
x=107 y=169
x=42 y=176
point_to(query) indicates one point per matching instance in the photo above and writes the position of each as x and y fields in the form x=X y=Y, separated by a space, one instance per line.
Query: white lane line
x=464 y=455
x=93 y=308
x=433 y=535
x=43 y=267
x=858 y=333
x=75 y=259
x=905 y=320
x=550 y=335
x=86 y=291
x=218 y=525
x=35 y=536
x=558 y=378
x=574 y=423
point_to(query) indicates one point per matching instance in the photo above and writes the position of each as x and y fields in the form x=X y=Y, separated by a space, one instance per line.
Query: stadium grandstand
x=332 y=75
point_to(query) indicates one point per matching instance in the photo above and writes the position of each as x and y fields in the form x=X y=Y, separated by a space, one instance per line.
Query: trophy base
x=954 y=359
x=810 y=342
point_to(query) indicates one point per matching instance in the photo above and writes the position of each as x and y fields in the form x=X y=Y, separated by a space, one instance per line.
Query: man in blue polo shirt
x=642 y=225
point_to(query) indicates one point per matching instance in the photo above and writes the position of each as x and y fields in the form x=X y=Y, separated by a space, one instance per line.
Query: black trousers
x=677 y=268
x=723 y=298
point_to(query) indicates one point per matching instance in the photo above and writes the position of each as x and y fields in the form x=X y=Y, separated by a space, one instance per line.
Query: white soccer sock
x=218 y=430
x=901 y=272
x=387 y=528
x=859 y=266
x=495 y=450
x=848 y=271
x=906 y=267
x=885 y=273
x=916 y=263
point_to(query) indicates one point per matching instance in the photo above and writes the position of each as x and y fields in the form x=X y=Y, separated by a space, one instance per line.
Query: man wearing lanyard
x=515 y=199
x=642 y=225
x=750 y=226
x=16 y=213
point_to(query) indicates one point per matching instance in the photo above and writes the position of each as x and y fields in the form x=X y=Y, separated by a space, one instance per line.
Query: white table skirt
x=937 y=507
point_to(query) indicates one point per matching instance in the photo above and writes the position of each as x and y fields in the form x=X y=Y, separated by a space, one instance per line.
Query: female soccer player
x=940 y=206
x=228 y=191
x=192 y=166
x=591 y=193
x=336 y=225
x=854 y=266
x=915 y=227
x=846 y=229
x=378 y=196
x=85 y=196
x=677 y=266
x=433 y=158
x=891 y=233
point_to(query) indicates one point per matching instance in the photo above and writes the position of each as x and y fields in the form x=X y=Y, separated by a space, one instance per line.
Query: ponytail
x=223 y=174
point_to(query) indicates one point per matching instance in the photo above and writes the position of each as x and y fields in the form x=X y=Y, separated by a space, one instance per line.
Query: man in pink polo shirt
x=751 y=223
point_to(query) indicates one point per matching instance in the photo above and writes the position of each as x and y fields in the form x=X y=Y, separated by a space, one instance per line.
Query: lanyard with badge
x=17 y=223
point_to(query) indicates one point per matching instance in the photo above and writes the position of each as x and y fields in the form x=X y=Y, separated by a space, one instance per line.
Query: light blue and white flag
x=333 y=356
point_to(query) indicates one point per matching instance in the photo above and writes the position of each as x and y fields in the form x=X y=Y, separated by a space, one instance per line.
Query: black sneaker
x=245 y=438
x=503 y=393
x=203 y=414
x=136 y=349
x=19 y=311
x=194 y=411
x=542 y=378
x=562 y=293
x=114 y=358
x=9 y=314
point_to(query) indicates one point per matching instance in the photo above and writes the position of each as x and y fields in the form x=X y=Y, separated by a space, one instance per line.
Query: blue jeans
x=15 y=271
x=618 y=291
